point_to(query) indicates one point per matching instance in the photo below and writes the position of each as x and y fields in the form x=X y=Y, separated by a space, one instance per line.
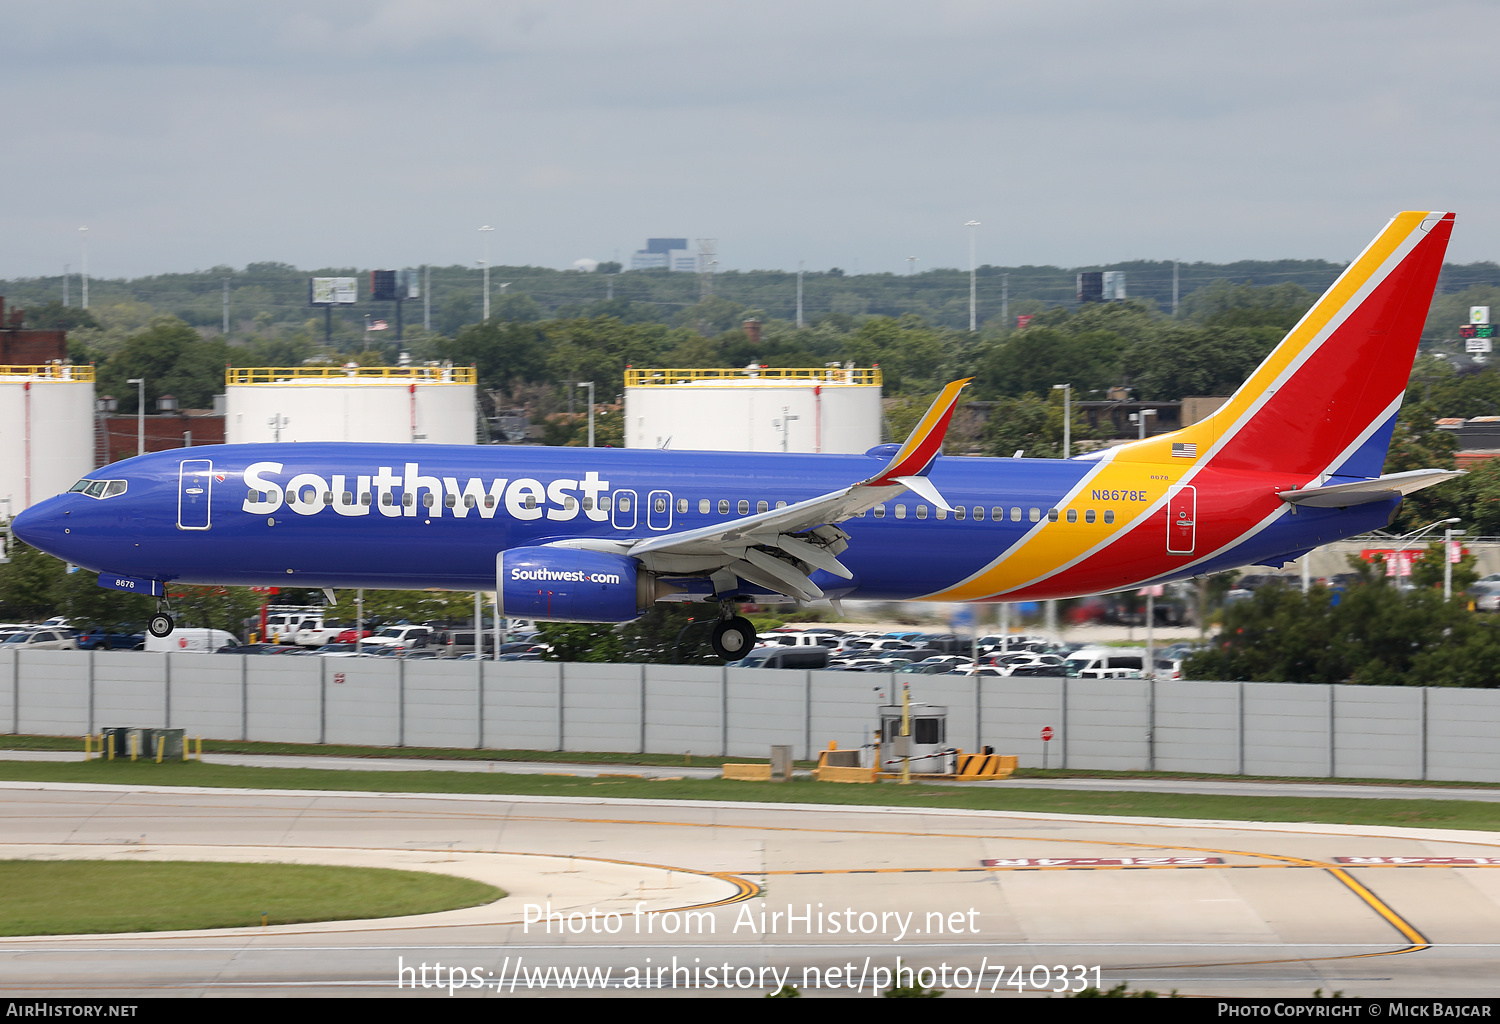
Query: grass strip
x=1426 y=813
x=73 y=897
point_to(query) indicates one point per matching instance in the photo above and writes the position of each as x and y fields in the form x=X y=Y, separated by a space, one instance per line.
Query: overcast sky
x=854 y=134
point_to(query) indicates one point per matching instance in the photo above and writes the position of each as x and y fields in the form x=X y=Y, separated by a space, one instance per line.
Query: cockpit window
x=99 y=488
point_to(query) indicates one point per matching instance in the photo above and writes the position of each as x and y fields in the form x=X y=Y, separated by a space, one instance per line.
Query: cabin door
x=195 y=479
x=1182 y=515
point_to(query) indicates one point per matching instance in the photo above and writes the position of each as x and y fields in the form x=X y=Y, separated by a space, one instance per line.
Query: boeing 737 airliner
x=1292 y=461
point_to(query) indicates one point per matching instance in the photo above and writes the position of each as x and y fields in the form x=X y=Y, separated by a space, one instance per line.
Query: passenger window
x=660 y=504
x=942 y=513
x=569 y=504
x=346 y=498
x=386 y=499
x=531 y=501
x=605 y=504
x=249 y=497
x=1088 y=517
x=723 y=506
x=959 y=513
x=1072 y=515
x=408 y=500
x=366 y=498
x=1109 y=515
x=744 y=507
x=879 y=511
x=781 y=504
x=682 y=505
x=703 y=506
x=761 y=506
x=921 y=511
x=469 y=501
x=588 y=504
x=997 y=514
x=1035 y=515
x=429 y=499
x=624 y=503
x=900 y=511
x=1015 y=514
x=978 y=513
x=489 y=501
x=1052 y=515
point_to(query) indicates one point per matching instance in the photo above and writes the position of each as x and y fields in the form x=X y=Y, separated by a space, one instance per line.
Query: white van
x=195 y=641
x=1106 y=663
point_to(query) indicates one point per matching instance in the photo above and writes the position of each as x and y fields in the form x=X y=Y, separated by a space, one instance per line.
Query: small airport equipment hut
x=927 y=746
x=428 y=404
x=756 y=409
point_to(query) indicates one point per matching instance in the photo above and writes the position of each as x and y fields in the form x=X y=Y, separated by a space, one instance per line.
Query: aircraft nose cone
x=41 y=527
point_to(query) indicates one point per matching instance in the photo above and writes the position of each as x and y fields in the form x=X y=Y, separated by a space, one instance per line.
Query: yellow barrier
x=51 y=371
x=748 y=772
x=340 y=375
x=837 y=773
x=814 y=374
x=973 y=767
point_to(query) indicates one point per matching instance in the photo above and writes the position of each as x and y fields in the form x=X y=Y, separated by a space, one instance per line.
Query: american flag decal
x=1184 y=450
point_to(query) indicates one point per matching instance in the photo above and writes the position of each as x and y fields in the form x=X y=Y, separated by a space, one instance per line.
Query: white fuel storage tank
x=428 y=404
x=757 y=409
x=46 y=432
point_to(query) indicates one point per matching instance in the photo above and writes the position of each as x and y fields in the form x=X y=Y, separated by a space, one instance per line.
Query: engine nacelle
x=572 y=585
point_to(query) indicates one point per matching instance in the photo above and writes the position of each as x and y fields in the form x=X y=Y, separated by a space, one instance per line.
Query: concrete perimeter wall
x=1278 y=729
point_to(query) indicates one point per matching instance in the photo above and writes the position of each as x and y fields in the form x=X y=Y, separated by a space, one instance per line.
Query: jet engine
x=572 y=585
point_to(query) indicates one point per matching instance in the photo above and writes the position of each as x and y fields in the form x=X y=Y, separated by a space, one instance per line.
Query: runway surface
x=718 y=898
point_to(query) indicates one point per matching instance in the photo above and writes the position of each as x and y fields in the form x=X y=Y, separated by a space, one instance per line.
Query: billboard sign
x=410 y=283
x=1479 y=346
x=1479 y=314
x=332 y=291
x=1114 y=285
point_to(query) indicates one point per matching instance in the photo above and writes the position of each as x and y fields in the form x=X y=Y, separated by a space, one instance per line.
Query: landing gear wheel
x=161 y=624
x=733 y=638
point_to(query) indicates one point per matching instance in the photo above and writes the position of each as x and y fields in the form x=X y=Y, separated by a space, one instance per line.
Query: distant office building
x=671 y=253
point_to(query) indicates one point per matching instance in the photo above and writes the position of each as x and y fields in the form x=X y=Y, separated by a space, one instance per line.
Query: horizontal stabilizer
x=1362 y=492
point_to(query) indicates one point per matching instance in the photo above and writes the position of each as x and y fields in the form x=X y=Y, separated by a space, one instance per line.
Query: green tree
x=28 y=583
x=173 y=360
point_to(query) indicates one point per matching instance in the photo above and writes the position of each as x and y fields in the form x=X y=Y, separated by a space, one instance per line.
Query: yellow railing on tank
x=639 y=378
x=51 y=371
x=330 y=375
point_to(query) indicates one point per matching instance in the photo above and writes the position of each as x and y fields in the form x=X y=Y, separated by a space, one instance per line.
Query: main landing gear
x=161 y=623
x=734 y=635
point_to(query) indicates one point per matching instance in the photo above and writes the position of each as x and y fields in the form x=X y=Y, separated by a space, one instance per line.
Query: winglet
x=925 y=440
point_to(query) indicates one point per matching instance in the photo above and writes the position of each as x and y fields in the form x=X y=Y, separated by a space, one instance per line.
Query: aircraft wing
x=780 y=548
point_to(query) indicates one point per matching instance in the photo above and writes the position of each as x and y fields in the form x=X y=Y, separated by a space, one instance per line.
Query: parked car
x=776 y=656
x=98 y=639
x=41 y=640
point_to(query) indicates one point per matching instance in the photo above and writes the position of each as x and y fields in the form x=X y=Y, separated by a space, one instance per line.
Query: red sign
x=1046 y=733
x=338 y=677
x=1398 y=561
x=1022 y=321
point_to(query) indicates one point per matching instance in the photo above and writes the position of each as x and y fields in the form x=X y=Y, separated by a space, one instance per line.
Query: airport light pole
x=1067 y=390
x=84 y=234
x=1408 y=541
x=590 y=385
x=973 y=309
x=140 y=413
x=486 y=230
